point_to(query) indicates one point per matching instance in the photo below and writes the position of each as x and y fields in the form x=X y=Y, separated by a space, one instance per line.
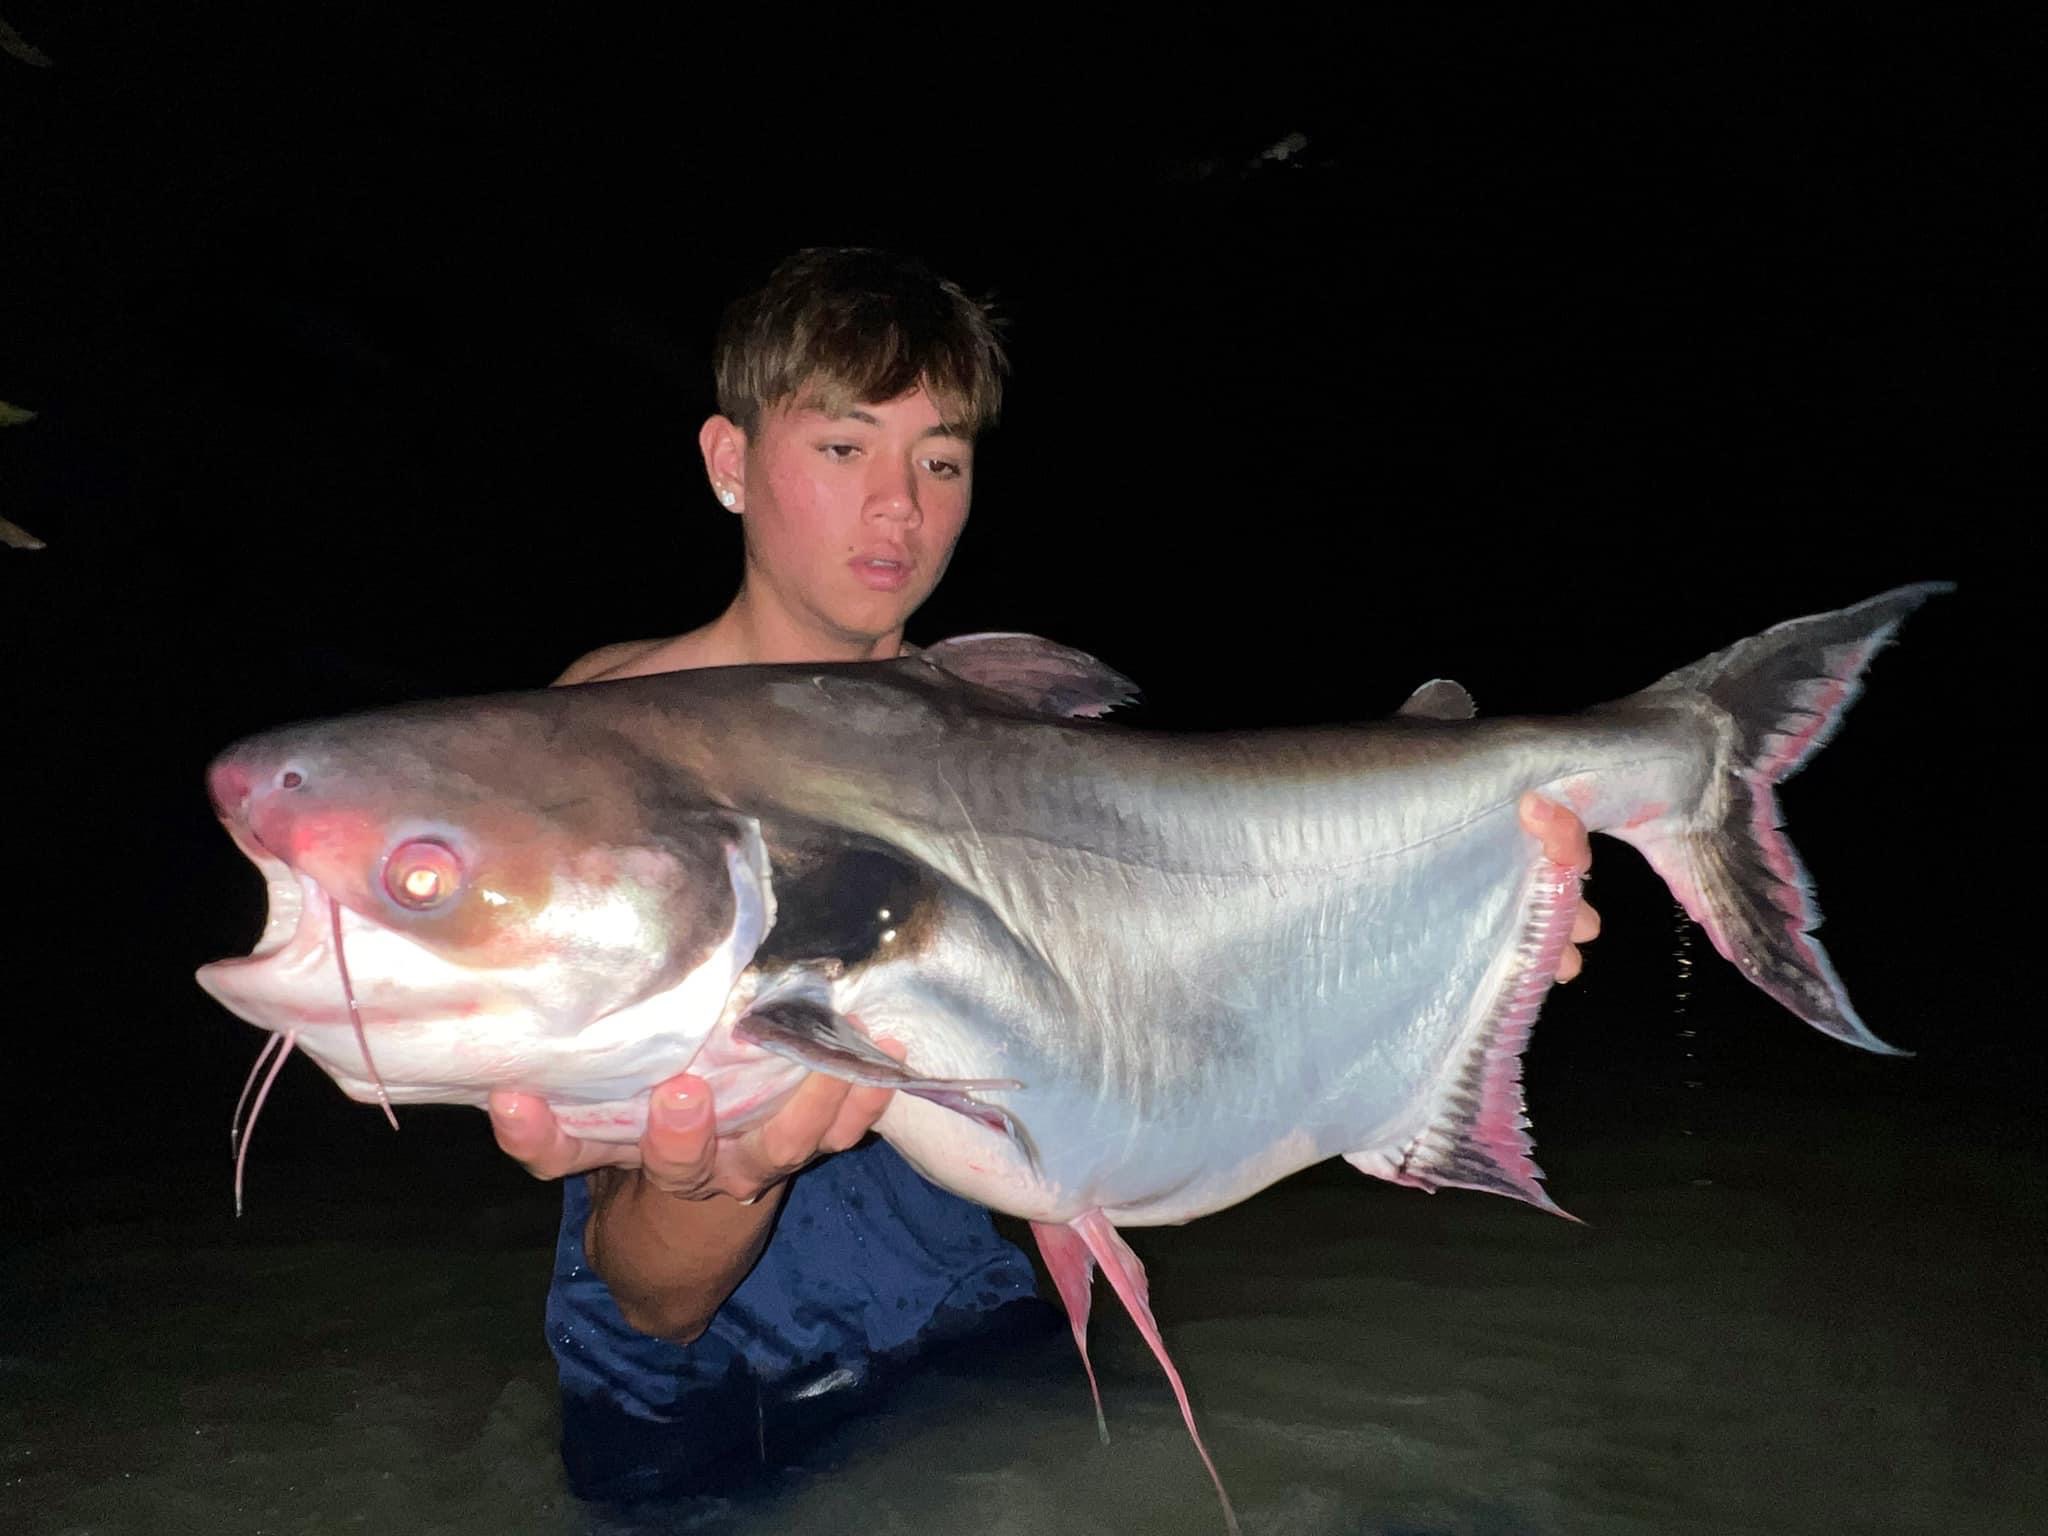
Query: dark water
x=1807 y=1298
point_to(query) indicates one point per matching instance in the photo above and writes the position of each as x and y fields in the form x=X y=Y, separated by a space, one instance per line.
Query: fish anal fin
x=1439 y=699
x=1126 y=1275
x=1072 y=1268
x=1477 y=1136
x=1045 y=677
x=815 y=1037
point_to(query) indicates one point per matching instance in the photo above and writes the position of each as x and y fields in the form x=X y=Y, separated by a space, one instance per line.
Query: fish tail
x=1773 y=701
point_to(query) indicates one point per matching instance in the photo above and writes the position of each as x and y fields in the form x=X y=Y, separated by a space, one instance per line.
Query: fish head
x=465 y=900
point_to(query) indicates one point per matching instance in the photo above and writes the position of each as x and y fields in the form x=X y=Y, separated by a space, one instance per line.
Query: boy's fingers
x=1586 y=926
x=1560 y=831
x=678 y=1150
x=526 y=1132
x=792 y=1136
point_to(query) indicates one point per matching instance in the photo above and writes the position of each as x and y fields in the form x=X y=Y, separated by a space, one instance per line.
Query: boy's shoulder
x=643 y=658
x=627 y=658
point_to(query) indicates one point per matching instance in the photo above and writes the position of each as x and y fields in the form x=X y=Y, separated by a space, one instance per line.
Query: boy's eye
x=945 y=469
x=839 y=452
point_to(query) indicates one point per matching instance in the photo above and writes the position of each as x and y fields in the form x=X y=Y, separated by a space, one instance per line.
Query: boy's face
x=851 y=518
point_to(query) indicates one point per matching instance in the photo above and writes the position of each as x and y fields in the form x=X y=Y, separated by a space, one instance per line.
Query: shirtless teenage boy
x=708 y=1303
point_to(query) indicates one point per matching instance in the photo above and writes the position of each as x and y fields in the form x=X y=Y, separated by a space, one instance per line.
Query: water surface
x=1807 y=1304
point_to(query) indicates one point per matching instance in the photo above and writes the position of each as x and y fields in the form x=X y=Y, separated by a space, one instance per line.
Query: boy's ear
x=724 y=447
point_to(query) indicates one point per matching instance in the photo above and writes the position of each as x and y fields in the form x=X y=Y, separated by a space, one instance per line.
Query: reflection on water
x=1812 y=1316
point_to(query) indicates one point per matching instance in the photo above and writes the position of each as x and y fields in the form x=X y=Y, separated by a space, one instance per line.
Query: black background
x=370 y=347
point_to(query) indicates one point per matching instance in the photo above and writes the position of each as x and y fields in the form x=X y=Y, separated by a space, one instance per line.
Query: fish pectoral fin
x=1477 y=1136
x=1126 y=1275
x=815 y=1037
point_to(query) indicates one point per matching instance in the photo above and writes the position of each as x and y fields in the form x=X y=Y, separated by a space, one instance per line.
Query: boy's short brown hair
x=845 y=326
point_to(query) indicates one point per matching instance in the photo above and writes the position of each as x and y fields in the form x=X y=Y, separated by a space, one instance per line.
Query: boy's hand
x=1565 y=842
x=681 y=1152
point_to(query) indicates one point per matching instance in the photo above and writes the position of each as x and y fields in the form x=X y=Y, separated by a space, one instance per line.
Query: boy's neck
x=751 y=632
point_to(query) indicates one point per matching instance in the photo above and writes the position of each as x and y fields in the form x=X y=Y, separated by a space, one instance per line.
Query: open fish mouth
x=386 y=1018
x=302 y=937
x=274 y=986
x=300 y=978
x=285 y=891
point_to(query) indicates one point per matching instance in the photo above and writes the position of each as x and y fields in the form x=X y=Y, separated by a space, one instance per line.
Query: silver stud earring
x=729 y=496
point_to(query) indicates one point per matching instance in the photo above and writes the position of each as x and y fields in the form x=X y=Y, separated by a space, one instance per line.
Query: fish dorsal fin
x=1051 y=679
x=1439 y=699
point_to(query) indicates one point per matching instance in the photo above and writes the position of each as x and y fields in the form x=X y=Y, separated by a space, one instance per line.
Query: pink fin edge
x=1126 y=1274
x=1072 y=1268
x=1481 y=1141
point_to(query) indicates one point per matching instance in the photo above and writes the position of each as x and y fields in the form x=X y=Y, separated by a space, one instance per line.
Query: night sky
x=369 y=356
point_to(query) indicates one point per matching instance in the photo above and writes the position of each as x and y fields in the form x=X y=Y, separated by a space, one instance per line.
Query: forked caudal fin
x=1778 y=697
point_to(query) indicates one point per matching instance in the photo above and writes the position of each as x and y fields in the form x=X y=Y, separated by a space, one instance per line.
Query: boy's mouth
x=881 y=573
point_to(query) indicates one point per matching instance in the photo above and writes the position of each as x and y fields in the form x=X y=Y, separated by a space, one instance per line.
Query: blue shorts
x=869 y=1267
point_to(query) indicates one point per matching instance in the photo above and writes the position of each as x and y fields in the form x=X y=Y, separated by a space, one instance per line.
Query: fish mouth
x=293 y=982
x=285 y=889
x=281 y=984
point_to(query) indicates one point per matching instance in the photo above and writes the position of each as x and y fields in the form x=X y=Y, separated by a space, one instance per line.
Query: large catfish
x=1139 y=976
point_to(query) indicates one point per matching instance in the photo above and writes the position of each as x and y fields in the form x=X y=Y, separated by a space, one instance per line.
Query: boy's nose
x=894 y=497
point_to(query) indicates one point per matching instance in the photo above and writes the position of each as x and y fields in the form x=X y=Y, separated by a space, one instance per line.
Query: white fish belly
x=1238 y=1033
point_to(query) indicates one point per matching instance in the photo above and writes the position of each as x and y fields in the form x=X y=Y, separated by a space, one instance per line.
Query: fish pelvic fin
x=1126 y=1275
x=1072 y=1268
x=1778 y=697
x=1477 y=1136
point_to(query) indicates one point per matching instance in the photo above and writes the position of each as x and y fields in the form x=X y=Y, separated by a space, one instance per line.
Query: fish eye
x=422 y=874
x=291 y=778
